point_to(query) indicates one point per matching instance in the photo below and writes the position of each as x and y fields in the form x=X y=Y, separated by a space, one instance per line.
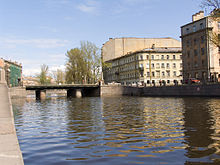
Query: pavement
x=10 y=153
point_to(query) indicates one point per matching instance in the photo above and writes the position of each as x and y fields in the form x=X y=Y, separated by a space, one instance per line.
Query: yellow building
x=155 y=66
x=133 y=61
x=201 y=58
x=2 y=71
x=117 y=47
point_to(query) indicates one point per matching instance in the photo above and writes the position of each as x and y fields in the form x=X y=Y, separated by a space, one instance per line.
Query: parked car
x=192 y=81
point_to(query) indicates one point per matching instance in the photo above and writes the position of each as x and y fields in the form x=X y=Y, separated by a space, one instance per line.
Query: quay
x=10 y=153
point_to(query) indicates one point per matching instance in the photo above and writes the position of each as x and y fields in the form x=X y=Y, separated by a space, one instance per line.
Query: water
x=119 y=131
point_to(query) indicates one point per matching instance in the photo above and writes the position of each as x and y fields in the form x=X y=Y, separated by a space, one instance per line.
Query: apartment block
x=201 y=57
x=151 y=66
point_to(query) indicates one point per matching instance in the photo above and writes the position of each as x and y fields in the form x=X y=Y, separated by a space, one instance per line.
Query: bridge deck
x=67 y=86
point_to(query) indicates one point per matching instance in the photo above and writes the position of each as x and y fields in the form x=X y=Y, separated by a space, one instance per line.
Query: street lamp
x=152 y=48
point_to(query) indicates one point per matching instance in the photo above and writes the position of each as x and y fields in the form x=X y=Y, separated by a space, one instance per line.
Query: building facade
x=2 y=71
x=201 y=58
x=156 y=66
x=13 y=73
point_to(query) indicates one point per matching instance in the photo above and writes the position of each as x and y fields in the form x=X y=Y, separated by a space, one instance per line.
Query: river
x=118 y=130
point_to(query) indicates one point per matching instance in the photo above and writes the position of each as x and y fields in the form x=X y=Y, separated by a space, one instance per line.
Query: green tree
x=84 y=63
x=43 y=76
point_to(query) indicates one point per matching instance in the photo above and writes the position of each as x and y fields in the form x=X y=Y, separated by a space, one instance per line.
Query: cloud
x=89 y=6
x=50 y=29
x=39 y=43
x=33 y=67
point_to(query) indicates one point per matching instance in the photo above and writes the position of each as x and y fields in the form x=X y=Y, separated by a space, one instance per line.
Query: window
x=174 y=65
x=163 y=74
x=152 y=57
x=158 y=74
x=157 y=57
x=181 y=57
x=201 y=26
x=174 y=73
x=168 y=57
x=181 y=65
x=147 y=57
x=152 y=65
x=147 y=65
x=142 y=74
x=194 y=28
x=195 y=64
x=203 y=62
x=188 y=54
x=195 y=41
x=168 y=65
x=162 y=57
x=202 y=51
x=153 y=74
x=157 y=65
x=148 y=74
x=141 y=57
x=187 y=43
x=195 y=52
x=174 y=57
x=168 y=73
x=187 y=30
x=202 y=39
x=162 y=65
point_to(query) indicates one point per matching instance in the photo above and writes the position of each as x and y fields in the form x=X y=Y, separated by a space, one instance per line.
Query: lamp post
x=152 y=48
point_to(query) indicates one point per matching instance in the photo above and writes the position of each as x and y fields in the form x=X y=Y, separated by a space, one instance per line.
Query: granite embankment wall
x=212 y=90
x=10 y=153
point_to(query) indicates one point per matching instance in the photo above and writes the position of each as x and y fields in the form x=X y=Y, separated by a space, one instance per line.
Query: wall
x=186 y=90
x=117 y=90
x=18 y=92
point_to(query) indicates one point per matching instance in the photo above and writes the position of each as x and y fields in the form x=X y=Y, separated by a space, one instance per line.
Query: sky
x=36 y=32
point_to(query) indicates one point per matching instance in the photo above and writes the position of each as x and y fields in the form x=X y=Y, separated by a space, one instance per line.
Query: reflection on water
x=121 y=130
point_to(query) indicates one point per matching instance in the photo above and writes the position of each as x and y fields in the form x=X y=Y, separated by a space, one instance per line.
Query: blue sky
x=36 y=32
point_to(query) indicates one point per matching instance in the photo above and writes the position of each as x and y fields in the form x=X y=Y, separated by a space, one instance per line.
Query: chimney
x=198 y=16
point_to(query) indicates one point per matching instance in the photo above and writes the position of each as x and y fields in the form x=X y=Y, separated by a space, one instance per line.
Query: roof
x=155 y=50
x=162 y=50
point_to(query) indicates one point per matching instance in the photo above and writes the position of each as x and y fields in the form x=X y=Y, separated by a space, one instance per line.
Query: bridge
x=73 y=90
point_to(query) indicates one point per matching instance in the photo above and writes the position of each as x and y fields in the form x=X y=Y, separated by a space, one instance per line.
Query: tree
x=93 y=61
x=84 y=64
x=59 y=76
x=214 y=5
x=211 y=4
x=43 y=76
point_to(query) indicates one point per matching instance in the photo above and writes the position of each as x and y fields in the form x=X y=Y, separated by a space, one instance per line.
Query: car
x=192 y=81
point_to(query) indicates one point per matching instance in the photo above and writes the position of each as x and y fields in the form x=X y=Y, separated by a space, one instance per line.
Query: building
x=201 y=58
x=157 y=65
x=2 y=71
x=13 y=73
x=117 y=47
